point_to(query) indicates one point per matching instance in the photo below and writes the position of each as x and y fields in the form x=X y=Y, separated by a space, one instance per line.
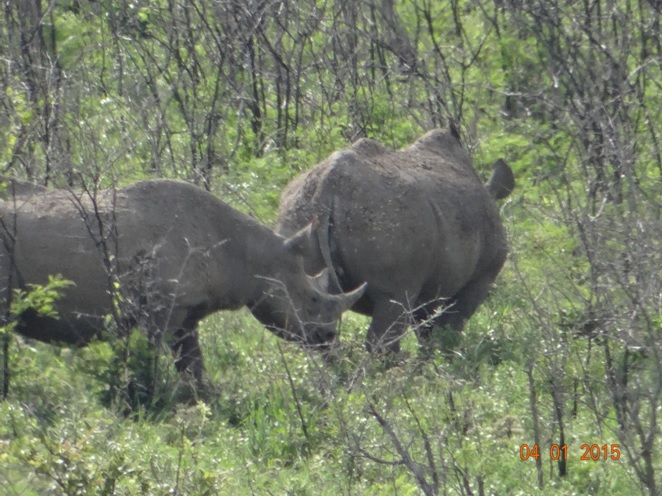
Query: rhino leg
x=444 y=330
x=438 y=332
x=57 y=330
x=389 y=323
x=186 y=350
x=467 y=300
x=425 y=320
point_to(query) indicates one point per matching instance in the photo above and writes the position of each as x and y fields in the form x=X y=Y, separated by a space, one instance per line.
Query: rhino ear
x=502 y=182
x=301 y=242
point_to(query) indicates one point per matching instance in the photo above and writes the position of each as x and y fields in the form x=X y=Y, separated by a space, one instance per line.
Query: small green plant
x=37 y=298
x=132 y=374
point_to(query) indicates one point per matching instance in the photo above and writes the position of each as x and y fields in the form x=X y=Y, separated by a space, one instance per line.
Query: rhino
x=417 y=225
x=161 y=255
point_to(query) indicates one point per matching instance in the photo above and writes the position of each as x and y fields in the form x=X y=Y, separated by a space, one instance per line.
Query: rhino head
x=296 y=306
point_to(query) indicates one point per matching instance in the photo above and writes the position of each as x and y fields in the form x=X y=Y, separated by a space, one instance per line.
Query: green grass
x=283 y=422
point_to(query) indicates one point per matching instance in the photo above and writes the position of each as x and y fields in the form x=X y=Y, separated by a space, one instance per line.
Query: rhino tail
x=324 y=238
x=502 y=182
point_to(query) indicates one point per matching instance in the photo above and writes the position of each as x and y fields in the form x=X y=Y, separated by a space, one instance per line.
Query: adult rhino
x=417 y=225
x=168 y=254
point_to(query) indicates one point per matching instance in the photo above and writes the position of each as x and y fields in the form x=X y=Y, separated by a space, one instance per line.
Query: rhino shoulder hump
x=369 y=147
x=440 y=139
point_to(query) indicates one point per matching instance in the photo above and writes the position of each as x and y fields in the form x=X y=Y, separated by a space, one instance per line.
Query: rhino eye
x=315 y=299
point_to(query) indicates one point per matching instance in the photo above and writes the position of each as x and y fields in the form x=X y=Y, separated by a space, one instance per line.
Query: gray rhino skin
x=10 y=188
x=177 y=252
x=417 y=225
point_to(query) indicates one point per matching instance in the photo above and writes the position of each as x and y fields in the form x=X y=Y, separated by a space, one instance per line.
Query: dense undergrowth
x=284 y=423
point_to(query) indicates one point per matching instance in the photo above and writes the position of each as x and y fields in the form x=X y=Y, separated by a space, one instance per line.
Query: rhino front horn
x=347 y=300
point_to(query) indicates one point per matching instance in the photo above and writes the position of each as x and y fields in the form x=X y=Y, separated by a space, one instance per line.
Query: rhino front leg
x=188 y=356
x=389 y=323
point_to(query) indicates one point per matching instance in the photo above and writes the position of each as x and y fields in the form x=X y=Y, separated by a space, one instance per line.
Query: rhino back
x=203 y=250
x=400 y=230
x=205 y=247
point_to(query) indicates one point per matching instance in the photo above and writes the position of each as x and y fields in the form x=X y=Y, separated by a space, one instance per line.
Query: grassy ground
x=281 y=421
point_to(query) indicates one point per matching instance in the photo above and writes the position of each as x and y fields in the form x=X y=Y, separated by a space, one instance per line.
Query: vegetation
x=239 y=97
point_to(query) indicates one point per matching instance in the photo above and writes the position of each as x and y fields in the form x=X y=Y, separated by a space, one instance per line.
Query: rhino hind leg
x=428 y=316
x=52 y=330
x=444 y=331
x=469 y=299
x=441 y=332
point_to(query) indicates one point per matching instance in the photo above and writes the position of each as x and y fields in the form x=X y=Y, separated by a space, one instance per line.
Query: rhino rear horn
x=300 y=242
x=323 y=280
x=502 y=182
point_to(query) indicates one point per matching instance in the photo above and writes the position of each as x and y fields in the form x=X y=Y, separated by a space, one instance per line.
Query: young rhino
x=162 y=255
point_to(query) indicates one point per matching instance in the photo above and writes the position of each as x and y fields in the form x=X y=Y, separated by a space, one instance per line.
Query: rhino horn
x=323 y=279
x=299 y=243
x=349 y=299
x=502 y=182
x=333 y=284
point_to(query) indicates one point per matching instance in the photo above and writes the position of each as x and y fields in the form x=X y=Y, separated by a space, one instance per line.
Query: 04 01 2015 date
x=589 y=452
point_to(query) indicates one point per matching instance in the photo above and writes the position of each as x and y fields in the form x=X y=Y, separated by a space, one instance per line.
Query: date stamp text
x=588 y=452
